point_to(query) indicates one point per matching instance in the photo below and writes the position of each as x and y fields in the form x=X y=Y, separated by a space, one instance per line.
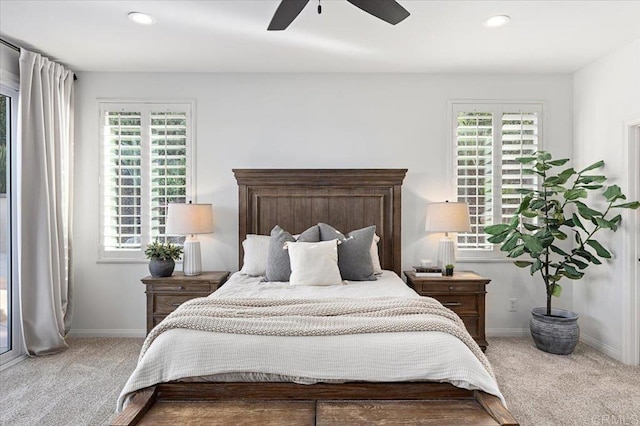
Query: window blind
x=122 y=180
x=146 y=165
x=519 y=138
x=474 y=154
x=168 y=168
x=487 y=140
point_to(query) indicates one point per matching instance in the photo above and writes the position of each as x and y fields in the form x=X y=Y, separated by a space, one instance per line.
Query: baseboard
x=508 y=332
x=127 y=332
x=13 y=362
x=599 y=346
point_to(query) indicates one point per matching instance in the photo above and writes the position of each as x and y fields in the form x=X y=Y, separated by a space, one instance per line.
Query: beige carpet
x=80 y=386
x=584 y=388
x=76 y=387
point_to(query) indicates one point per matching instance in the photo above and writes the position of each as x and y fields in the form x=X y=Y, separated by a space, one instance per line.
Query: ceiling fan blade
x=286 y=13
x=387 y=10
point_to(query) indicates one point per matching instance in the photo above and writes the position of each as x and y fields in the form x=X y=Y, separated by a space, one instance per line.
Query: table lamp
x=190 y=220
x=447 y=217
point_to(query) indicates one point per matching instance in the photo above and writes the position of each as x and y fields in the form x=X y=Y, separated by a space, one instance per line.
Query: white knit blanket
x=320 y=317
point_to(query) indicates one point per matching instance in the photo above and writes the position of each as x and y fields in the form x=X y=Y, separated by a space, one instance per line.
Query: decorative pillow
x=255 y=249
x=375 y=257
x=314 y=263
x=354 y=251
x=278 y=266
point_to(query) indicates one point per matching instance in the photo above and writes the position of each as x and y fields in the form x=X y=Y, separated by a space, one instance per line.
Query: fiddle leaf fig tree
x=557 y=211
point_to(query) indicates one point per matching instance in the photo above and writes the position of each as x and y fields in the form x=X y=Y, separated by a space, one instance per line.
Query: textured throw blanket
x=323 y=317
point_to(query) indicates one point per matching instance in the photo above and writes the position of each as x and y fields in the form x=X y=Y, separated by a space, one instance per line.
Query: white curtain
x=45 y=164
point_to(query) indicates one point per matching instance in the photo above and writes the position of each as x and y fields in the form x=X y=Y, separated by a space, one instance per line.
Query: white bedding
x=373 y=357
x=389 y=284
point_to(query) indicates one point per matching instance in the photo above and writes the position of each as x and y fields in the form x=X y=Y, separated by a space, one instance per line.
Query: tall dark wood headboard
x=347 y=199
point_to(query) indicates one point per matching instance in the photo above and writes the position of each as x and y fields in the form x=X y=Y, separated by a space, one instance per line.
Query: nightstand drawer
x=460 y=303
x=165 y=304
x=452 y=287
x=157 y=319
x=471 y=322
x=186 y=286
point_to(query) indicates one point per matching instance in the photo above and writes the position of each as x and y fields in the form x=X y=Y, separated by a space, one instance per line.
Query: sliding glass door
x=9 y=307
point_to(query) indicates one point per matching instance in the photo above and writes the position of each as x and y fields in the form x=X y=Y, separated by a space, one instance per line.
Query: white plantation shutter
x=169 y=178
x=519 y=139
x=122 y=180
x=487 y=140
x=474 y=166
x=145 y=164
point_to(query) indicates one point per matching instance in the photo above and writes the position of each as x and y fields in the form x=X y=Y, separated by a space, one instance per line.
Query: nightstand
x=463 y=293
x=165 y=294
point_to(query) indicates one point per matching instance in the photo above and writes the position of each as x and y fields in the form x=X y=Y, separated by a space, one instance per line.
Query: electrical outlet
x=513 y=305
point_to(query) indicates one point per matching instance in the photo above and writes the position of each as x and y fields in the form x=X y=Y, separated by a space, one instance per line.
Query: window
x=488 y=137
x=146 y=164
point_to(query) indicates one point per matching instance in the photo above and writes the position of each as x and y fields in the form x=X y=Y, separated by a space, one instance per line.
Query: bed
x=396 y=389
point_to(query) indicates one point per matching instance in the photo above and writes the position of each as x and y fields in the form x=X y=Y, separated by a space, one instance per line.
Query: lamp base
x=192 y=262
x=446 y=252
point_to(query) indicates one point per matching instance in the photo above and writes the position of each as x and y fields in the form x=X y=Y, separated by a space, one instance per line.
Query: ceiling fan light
x=496 y=21
x=141 y=18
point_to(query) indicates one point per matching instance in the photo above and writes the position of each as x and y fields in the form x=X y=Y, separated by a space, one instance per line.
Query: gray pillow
x=278 y=263
x=354 y=251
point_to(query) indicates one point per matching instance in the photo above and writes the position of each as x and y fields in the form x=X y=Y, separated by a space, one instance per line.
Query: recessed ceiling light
x=141 y=18
x=496 y=21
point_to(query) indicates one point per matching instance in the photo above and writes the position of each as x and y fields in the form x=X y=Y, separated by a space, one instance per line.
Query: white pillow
x=375 y=258
x=255 y=249
x=314 y=263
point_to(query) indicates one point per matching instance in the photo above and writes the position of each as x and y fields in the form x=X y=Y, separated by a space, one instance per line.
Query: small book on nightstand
x=428 y=271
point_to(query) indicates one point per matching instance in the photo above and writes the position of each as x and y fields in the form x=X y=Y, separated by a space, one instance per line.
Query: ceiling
x=230 y=36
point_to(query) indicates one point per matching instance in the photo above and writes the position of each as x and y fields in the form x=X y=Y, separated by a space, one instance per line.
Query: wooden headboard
x=347 y=199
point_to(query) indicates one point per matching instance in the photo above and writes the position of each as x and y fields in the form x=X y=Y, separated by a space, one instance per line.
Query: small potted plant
x=162 y=258
x=561 y=209
x=448 y=270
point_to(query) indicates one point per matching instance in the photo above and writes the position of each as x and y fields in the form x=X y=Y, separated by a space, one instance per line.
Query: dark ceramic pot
x=556 y=334
x=161 y=268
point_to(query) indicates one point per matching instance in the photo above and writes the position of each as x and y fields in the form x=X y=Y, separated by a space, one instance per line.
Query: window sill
x=122 y=261
x=484 y=260
x=132 y=261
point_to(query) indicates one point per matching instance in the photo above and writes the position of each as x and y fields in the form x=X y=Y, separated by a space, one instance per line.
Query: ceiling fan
x=387 y=10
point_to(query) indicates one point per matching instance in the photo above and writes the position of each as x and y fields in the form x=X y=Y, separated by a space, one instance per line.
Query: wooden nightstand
x=463 y=293
x=165 y=294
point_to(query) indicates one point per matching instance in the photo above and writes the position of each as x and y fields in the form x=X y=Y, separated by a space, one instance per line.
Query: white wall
x=301 y=121
x=606 y=94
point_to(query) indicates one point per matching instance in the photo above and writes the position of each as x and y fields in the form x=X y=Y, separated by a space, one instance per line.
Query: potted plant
x=162 y=258
x=448 y=270
x=559 y=211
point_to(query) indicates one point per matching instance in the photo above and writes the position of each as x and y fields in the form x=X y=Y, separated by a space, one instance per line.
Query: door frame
x=17 y=353
x=631 y=285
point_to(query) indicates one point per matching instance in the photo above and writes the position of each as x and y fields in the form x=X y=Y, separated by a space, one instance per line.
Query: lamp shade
x=448 y=217
x=188 y=219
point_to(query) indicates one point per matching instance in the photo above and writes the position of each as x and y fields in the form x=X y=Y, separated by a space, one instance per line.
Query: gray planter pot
x=161 y=268
x=556 y=334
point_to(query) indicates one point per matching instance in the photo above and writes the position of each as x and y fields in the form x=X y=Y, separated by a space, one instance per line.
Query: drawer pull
x=181 y=288
x=176 y=304
x=452 y=304
x=451 y=287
